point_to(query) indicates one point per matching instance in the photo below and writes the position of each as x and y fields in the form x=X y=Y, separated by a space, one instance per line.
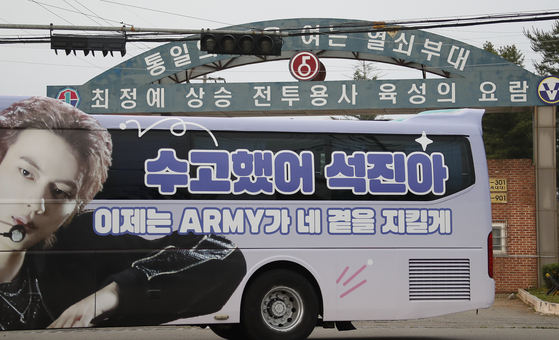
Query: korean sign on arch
x=156 y=81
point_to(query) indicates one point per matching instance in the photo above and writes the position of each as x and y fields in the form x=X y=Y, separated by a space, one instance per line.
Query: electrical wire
x=164 y=12
x=348 y=27
x=82 y=13
x=44 y=5
x=141 y=45
x=440 y=22
x=395 y=26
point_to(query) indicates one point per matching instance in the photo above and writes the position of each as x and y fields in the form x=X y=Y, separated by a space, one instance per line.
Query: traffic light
x=243 y=44
x=105 y=44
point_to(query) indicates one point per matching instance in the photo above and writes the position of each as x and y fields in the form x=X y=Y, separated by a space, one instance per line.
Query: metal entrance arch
x=158 y=82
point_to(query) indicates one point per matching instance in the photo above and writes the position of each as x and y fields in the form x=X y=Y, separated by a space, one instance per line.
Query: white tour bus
x=264 y=228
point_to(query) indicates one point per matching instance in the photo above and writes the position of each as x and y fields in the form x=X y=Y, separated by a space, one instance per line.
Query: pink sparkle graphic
x=351 y=278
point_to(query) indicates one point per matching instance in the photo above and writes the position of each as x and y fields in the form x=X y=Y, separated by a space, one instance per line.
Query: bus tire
x=278 y=305
x=229 y=332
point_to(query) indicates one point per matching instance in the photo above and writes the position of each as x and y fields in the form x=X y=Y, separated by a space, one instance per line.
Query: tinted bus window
x=131 y=152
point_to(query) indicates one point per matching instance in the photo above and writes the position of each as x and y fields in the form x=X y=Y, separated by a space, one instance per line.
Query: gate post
x=546 y=196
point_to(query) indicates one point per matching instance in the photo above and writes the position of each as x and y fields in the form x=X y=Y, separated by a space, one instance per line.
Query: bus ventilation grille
x=439 y=279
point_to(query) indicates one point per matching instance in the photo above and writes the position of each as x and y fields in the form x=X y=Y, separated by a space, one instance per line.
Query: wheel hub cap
x=282 y=308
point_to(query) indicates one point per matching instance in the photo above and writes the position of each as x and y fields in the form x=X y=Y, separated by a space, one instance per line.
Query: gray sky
x=27 y=69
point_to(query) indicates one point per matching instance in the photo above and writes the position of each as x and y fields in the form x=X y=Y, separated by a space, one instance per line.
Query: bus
x=260 y=228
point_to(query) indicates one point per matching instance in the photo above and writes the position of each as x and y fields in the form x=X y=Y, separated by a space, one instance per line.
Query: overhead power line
x=475 y=20
x=163 y=12
x=124 y=29
x=373 y=26
x=138 y=34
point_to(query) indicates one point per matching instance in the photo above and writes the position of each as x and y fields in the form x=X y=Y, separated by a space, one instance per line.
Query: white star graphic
x=424 y=141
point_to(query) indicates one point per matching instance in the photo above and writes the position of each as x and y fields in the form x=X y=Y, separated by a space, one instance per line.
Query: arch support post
x=546 y=196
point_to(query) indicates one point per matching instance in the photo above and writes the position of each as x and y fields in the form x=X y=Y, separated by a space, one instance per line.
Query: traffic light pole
x=137 y=29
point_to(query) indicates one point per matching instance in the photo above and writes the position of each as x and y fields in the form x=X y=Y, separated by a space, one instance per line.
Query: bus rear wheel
x=279 y=305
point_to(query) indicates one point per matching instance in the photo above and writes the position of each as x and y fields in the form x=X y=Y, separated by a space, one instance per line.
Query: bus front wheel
x=278 y=305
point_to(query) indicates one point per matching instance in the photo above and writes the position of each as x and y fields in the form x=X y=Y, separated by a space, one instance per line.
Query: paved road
x=506 y=320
